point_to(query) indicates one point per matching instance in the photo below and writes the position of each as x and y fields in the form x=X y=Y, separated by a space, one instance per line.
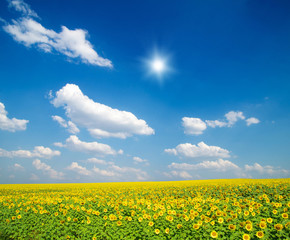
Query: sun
x=158 y=65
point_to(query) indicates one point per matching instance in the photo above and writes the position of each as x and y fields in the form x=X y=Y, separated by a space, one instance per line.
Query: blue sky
x=143 y=91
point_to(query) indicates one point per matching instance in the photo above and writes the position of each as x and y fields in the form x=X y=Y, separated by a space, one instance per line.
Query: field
x=221 y=209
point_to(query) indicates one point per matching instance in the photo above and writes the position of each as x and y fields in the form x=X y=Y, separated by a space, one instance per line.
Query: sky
x=110 y=91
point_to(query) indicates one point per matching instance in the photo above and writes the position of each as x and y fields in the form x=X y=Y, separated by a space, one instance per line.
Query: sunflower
x=195 y=226
x=166 y=230
x=278 y=227
x=157 y=231
x=249 y=227
x=260 y=234
x=263 y=225
x=285 y=215
x=246 y=237
x=232 y=227
x=214 y=234
x=151 y=224
x=119 y=223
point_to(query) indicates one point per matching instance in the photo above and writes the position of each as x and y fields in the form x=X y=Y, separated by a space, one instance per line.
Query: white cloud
x=60 y=120
x=98 y=133
x=193 y=126
x=179 y=174
x=252 y=120
x=120 y=173
x=225 y=168
x=22 y=7
x=79 y=169
x=233 y=117
x=219 y=165
x=269 y=170
x=117 y=172
x=73 y=143
x=70 y=126
x=39 y=152
x=201 y=150
x=18 y=167
x=98 y=161
x=171 y=151
x=71 y=43
x=140 y=175
x=216 y=123
x=13 y=124
x=196 y=126
x=47 y=169
x=99 y=119
x=140 y=160
x=105 y=173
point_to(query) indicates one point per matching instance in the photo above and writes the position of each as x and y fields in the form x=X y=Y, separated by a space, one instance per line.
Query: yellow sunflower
x=214 y=234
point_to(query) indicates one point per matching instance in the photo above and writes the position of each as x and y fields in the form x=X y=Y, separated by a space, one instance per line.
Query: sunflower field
x=210 y=209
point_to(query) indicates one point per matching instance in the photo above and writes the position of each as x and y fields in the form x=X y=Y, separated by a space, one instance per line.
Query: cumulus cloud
x=106 y=173
x=226 y=168
x=201 y=150
x=79 y=169
x=71 y=43
x=73 y=143
x=178 y=174
x=99 y=119
x=196 y=126
x=216 y=123
x=266 y=170
x=39 y=152
x=98 y=133
x=233 y=117
x=98 y=161
x=252 y=120
x=112 y=171
x=193 y=126
x=69 y=125
x=140 y=160
x=140 y=174
x=172 y=151
x=47 y=169
x=13 y=124
x=218 y=165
